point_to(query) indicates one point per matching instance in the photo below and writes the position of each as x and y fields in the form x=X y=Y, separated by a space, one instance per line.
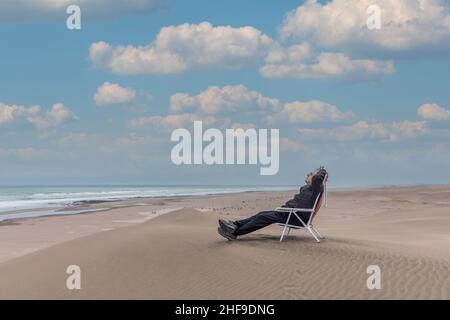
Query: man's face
x=309 y=177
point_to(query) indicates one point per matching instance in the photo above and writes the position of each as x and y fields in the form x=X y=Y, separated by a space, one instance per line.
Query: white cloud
x=44 y=9
x=23 y=153
x=293 y=54
x=75 y=139
x=364 y=130
x=133 y=139
x=290 y=145
x=113 y=93
x=99 y=53
x=433 y=112
x=215 y=100
x=173 y=121
x=243 y=126
x=57 y=115
x=238 y=99
x=326 y=65
x=405 y=25
x=129 y=60
x=9 y=112
x=180 y=48
x=407 y=129
x=309 y=112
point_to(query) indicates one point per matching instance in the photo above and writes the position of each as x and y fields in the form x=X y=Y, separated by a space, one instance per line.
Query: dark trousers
x=266 y=218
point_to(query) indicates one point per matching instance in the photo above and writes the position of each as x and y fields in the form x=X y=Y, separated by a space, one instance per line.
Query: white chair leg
x=317 y=232
x=285 y=227
x=313 y=234
x=289 y=231
x=284 y=232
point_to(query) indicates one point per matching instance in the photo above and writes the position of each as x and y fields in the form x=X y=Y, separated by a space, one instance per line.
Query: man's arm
x=317 y=180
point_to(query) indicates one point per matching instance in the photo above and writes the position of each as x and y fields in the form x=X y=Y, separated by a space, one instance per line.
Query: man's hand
x=321 y=168
x=323 y=172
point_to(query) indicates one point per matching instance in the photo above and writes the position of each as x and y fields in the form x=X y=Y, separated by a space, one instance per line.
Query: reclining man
x=304 y=199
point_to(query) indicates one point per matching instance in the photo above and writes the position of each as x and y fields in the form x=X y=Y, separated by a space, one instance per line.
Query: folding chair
x=308 y=225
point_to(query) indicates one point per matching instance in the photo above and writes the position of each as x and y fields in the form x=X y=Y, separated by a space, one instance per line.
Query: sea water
x=26 y=202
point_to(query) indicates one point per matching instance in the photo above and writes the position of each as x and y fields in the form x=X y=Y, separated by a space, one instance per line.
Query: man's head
x=309 y=176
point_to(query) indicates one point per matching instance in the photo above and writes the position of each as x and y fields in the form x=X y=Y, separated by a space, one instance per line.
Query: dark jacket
x=308 y=193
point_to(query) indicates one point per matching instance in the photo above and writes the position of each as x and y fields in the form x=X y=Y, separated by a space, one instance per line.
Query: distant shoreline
x=85 y=206
x=51 y=201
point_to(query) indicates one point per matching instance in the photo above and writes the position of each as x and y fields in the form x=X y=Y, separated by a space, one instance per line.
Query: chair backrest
x=321 y=198
x=318 y=205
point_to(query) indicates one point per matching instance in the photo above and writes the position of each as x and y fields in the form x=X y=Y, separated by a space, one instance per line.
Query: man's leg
x=259 y=221
x=240 y=223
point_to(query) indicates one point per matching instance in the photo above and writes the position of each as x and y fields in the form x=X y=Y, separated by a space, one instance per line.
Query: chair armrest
x=281 y=209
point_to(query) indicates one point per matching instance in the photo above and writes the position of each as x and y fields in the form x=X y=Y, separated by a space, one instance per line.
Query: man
x=304 y=199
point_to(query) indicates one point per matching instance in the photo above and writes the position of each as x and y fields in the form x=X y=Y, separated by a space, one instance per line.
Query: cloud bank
x=406 y=25
x=13 y=10
x=183 y=47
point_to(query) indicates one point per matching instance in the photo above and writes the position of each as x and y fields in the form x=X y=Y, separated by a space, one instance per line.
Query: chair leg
x=313 y=234
x=285 y=227
x=284 y=232
x=317 y=232
x=289 y=231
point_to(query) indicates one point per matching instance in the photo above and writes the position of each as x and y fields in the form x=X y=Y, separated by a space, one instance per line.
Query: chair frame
x=308 y=226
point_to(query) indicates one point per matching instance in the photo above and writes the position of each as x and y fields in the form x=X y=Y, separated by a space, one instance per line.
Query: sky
x=98 y=105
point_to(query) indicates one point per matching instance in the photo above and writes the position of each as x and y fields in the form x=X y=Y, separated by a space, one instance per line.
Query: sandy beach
x=168 y=248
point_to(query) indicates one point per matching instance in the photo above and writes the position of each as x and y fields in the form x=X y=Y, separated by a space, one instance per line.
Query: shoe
x=228 y=226
x=226 y=235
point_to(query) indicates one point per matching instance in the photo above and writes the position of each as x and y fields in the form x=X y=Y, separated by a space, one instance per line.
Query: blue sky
x=381 y=116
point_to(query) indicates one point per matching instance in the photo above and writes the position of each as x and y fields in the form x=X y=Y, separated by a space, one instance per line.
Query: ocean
x=27 y=202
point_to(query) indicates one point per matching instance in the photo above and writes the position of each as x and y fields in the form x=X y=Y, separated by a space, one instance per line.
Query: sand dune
x=180 y=256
